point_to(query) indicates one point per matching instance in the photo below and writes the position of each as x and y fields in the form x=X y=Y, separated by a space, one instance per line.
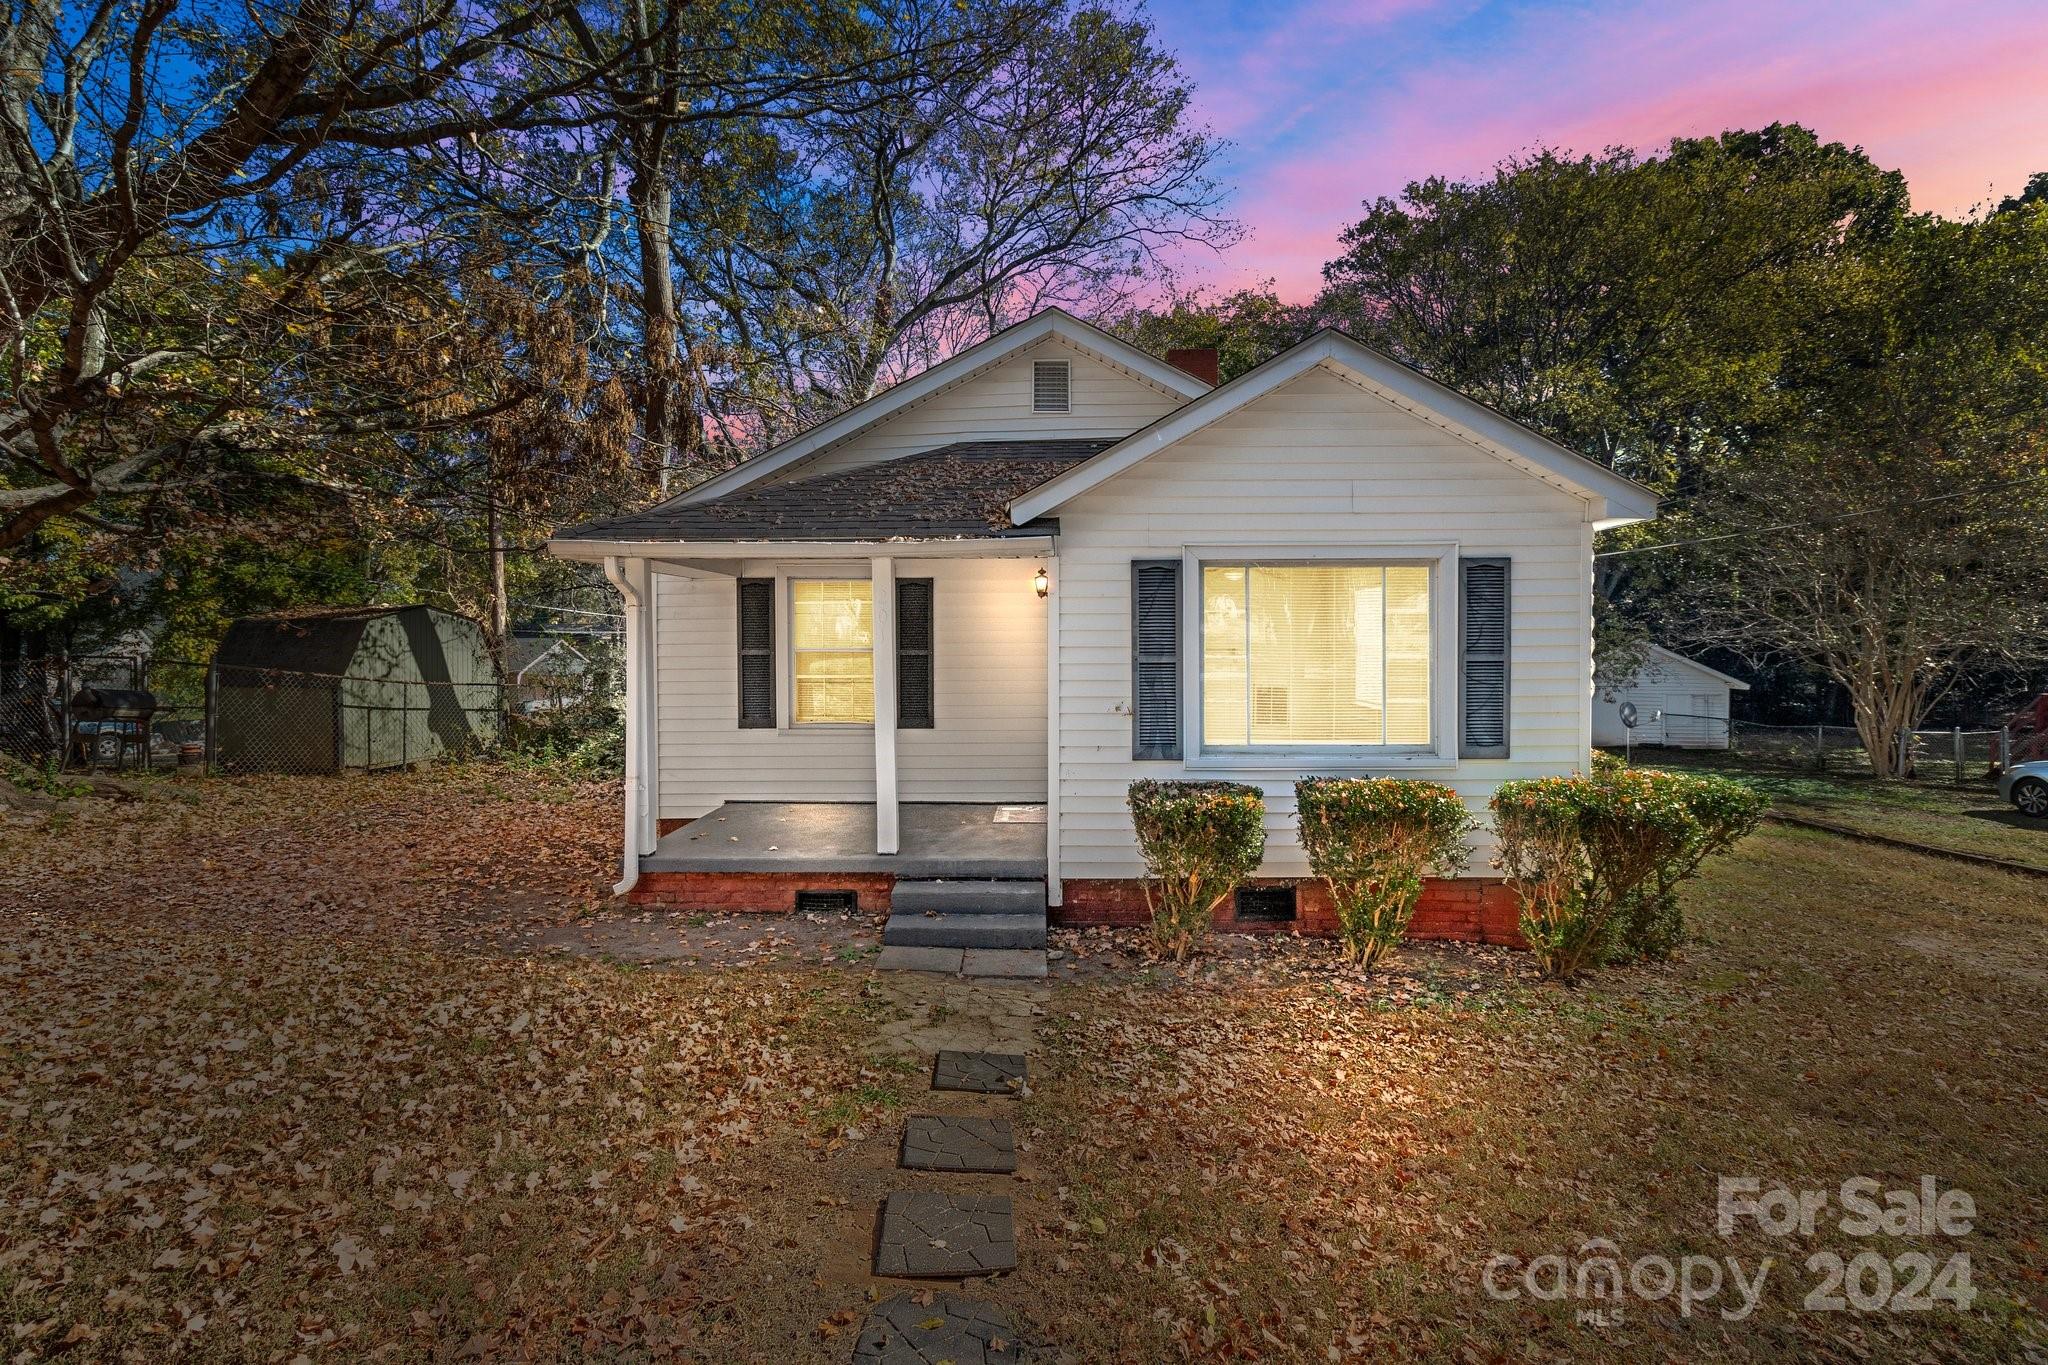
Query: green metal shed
x=351 y=688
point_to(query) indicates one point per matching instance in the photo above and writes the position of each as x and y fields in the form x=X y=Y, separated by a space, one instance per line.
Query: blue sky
x=1329 y=102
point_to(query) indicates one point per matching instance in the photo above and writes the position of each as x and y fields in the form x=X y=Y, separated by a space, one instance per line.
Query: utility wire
x=1824 y=521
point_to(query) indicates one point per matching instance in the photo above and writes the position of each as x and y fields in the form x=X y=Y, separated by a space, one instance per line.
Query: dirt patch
x=1416 y=972
x=692 y=941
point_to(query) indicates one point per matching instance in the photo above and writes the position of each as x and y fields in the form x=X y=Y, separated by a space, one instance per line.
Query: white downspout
x=629 y=863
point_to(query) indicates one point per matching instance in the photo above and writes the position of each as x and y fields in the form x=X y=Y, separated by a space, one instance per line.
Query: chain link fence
x=130 y=713
x=1956 y=756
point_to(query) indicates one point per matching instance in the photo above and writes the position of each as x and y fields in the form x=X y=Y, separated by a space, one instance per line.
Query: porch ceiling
x=938 y=840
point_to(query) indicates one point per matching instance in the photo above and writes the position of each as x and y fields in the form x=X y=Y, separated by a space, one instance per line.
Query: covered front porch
x=935 y=840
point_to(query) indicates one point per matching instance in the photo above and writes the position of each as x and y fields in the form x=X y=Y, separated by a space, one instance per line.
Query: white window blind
x=1315 y=655
x=832 y=644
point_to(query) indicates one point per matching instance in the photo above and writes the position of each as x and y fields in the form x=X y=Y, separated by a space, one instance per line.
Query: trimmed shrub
x=1200 y=840
x=1724 y=812
x=1588 y=854
x=1373 y=840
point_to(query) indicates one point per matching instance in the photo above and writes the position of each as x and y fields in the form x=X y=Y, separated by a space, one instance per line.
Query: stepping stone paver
x=902 y=1331
x=984 y=1073
x=942 y=1142
x=944 y=1236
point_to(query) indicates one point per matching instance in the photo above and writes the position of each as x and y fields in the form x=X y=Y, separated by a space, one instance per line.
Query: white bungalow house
x=1054 y=564
x=1675 y=701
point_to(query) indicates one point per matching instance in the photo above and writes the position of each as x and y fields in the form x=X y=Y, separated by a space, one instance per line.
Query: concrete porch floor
x=936 y=840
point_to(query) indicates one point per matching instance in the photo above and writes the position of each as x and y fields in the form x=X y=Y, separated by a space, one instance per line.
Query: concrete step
x=1010 y=963
x=950 y=897
x=965 y=931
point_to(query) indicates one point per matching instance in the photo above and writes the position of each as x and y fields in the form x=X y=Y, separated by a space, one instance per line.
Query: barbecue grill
x=107 y=723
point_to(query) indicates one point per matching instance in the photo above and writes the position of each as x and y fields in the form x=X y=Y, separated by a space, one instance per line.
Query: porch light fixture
x=1040 y=584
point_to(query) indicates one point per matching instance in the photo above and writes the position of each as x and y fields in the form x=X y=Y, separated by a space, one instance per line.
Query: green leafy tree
x=1634 y=308
x=1889 y=536
x=1246 y=328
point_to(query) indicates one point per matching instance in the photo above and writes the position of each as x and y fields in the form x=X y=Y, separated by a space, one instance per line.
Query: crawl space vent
x=826 y=902
x=1273 y=904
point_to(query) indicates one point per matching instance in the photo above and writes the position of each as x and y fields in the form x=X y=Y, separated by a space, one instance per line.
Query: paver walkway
x=933 y=1232
x=901 y=1331
x=942 y=1142
x=945 y=1236
x=983 y=1073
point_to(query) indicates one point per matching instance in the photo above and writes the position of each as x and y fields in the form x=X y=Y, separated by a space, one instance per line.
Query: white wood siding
x=990 y=699
x=1322 y=462
x=1690 y=707
x=996 y=405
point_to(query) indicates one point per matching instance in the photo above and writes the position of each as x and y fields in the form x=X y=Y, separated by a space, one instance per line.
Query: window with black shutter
x=757 y=653
x=914 y=685
x=1155 y=658
x=1483 y=676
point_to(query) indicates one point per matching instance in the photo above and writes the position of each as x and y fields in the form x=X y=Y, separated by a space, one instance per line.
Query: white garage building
x=1678 y=702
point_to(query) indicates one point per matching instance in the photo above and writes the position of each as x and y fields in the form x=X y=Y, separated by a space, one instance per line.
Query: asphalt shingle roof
x=957 y=492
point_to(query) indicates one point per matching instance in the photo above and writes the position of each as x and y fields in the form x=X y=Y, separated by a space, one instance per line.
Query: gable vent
x=1051 y=386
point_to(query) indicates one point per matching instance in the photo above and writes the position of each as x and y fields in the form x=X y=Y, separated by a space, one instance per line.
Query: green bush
x=1591 y=855
x=1724 y=812
x=1200 y=840
x=1373 y=841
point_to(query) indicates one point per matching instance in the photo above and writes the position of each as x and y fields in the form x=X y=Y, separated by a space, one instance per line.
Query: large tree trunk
x=1887 y=700
x=501 y=606
x=662 y=405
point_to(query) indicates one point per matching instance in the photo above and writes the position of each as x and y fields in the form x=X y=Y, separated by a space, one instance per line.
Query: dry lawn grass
x=271 y=1085
x=1279 y=1173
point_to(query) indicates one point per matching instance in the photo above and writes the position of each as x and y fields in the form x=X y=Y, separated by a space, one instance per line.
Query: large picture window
x=832 y=647
x=1304 y=656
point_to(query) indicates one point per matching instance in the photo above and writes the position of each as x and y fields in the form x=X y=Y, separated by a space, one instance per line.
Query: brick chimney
x=1199 y=361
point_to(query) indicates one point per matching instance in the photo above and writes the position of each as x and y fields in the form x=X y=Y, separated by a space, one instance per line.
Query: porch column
x=1054 y=893
x=883 y=592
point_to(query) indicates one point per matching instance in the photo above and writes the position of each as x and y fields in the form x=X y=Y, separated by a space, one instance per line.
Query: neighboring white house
x=1055 y=564
x=1678 y=702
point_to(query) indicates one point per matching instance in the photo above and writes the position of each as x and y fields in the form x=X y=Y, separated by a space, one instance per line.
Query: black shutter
x=1483 y=610
x=914 y=654
x=1155 y=658
x=757 y=654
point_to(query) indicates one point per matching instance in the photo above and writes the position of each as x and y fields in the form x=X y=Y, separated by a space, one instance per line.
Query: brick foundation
x=772 y=893
x=1463 y=910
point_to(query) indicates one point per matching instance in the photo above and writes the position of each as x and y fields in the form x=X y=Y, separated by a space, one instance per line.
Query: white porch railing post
x=883 y=588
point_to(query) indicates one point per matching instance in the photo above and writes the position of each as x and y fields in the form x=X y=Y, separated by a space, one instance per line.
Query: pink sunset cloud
x=1336 y=104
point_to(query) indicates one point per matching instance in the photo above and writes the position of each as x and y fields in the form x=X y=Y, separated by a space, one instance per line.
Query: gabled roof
x=957 y=492
x=1619 y=500
x=955 y=369
x=1716 y=674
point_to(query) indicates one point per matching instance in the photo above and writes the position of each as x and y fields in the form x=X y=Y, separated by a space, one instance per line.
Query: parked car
x=2026 y=786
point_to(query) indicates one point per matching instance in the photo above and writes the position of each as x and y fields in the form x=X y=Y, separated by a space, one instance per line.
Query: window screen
x=1311 y=655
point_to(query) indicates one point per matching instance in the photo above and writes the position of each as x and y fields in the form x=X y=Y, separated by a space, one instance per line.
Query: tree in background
x=1048 y=167
x=1636 y=309
x=265 y=270
x=1246 y=327
x=1889 y=535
